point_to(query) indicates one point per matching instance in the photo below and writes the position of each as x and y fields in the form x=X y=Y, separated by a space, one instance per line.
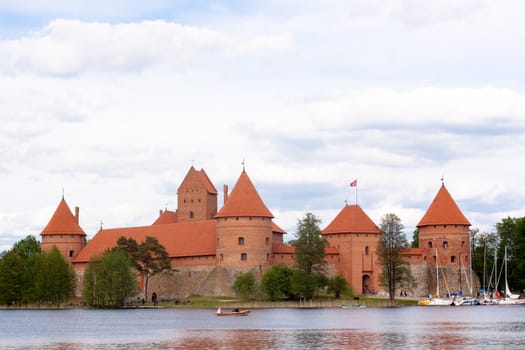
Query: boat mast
x=437 y=275
x=470 y=262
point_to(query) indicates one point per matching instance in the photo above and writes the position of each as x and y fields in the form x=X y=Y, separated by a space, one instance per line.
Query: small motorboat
x=234 y=312
x=354 y=306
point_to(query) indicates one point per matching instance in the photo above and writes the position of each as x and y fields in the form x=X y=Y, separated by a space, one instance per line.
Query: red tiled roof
x=287 y=249
x=166 y=217
x=182 y=239
x=282 y=249
x=412 y=251
x=277 y=229
x=351 y=219
x=206 y=181
x=63 y=222
x=443 y=211
x=331 y=251
x=244 y=201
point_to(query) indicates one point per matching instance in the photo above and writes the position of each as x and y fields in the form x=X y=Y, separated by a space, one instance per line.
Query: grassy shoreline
x=231 y=302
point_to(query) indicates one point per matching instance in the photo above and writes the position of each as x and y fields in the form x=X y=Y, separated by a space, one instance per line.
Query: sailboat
x=509 y=298
x=437 y=300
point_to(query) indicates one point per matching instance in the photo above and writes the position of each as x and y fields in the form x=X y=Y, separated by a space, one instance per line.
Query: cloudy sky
x=112 y=103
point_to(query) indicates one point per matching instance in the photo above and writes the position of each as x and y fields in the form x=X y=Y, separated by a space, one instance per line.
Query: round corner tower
x=244 y=228
x=64 y=232
x=444 y=231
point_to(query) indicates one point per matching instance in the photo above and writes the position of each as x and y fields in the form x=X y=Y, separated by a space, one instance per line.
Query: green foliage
x=511 y=232
x=309 y=245
x=415 y=239
x=54 y=279
x=338 y=285
x=276 y=282
x=17 y=271
x=11 y=269
x=309 y=257
x=395 y=270
x=245 y=285
x=109 y=280
x=150 y=257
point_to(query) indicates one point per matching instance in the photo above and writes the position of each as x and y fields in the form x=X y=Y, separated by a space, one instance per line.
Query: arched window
x=445 y=244
x=244 y=256
x=452 y=259
x=430 y=244
x=71 y=253
x=241 y=240
x=366 y=250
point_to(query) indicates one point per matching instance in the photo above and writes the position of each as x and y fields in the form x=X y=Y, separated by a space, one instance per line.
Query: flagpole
x=354 y=184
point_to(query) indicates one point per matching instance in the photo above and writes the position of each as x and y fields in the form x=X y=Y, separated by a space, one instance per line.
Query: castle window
x=445 y=244
x=241 y=240
x=366 y=250
x=71 y=253
x=452 y=259
x=267 y=240
x=462 y=243
x=430 y=244
x=267 y=257
x=244 y=256
x=191 y=214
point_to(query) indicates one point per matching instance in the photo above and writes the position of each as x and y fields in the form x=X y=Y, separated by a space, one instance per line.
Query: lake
x=416 y=327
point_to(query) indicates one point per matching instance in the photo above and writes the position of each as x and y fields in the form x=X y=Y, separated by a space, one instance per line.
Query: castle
x=208 y=247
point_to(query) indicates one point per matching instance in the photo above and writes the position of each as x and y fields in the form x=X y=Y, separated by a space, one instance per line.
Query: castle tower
x=445 y=228
x=196 y=197
x=244 y=228
x=356 y=237
x=64 y=232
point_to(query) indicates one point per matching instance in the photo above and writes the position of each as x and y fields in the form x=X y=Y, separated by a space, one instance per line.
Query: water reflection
x=403 y=328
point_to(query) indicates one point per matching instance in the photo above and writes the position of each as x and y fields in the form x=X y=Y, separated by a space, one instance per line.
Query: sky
x=111 y=103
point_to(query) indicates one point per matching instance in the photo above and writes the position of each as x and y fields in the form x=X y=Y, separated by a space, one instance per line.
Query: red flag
x=353 y=183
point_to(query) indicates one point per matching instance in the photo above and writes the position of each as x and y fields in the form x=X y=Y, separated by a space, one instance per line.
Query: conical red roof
x=443 y=211
x=63 y=222
x=244 y=201
x=166 y=217
x=351 y=219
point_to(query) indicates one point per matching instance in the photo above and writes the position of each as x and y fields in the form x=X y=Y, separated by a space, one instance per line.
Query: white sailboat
x=436 y=300
x=509 y=299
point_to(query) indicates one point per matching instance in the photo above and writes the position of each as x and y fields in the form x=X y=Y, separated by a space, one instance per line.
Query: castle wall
x=451 y=241
x=244 y=242
x=69 y=245
x=356 y=261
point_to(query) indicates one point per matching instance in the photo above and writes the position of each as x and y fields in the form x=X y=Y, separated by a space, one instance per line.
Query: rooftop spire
x=443 y=211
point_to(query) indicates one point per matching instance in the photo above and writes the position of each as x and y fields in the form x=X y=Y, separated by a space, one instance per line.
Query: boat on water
x=354 y=306
x=436 y=300
x=234 y=312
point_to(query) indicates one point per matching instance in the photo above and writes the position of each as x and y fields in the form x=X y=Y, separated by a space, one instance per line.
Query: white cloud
x=68 y=47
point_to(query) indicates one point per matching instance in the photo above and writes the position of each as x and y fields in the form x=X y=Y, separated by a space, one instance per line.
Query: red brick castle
x=208 y=248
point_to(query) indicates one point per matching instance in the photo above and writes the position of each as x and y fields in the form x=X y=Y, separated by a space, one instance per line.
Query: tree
x=245 y=285
x=415 y=239
x=54 y=280
x=276 y=282
x=109 y=280
x=511 y=232
x=395 y=270
x=17 y=272
x=309 y=255
x=338 y=285
x=11 y=269
x=483 y=247
x=150 y=257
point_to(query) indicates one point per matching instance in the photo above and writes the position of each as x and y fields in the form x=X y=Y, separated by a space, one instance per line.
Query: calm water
x=486 y=327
